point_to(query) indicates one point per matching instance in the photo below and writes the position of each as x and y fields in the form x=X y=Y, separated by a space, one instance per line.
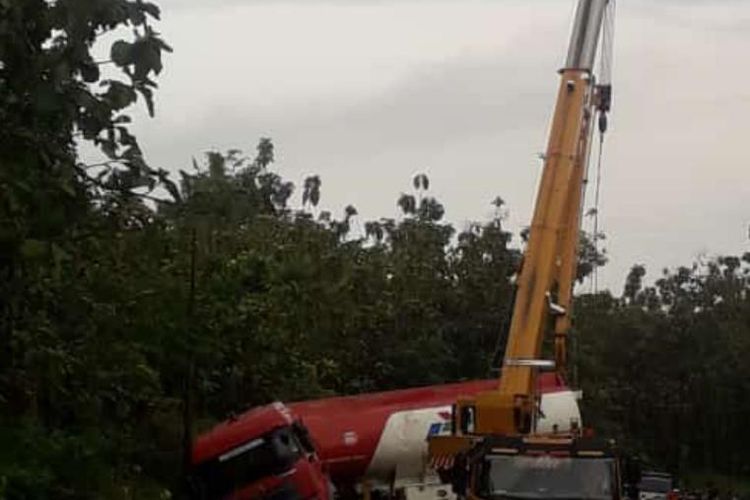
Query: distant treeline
x=133 y=307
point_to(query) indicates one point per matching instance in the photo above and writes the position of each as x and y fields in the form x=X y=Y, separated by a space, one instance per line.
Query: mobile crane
x=497 y=446
x=494 y=450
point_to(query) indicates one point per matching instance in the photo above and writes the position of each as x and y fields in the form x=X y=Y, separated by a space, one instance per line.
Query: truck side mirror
x=303 y=436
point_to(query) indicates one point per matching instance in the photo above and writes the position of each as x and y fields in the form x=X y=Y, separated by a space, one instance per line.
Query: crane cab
x=540 y=467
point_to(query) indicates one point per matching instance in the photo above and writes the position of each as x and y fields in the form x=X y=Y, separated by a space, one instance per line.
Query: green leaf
x=121 y=53
x=164 y=46
x=90 y=72
x=120 y=95
x=126 y=138
x=135 y=14
x=109 y=148
x=155 y=60
x=151 y=9
x=172 y=188
x=33 y=249
x=148 y=96
x=146 y=57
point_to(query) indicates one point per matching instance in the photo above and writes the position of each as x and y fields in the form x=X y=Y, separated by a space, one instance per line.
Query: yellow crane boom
x=548 y=271
x=546 y=279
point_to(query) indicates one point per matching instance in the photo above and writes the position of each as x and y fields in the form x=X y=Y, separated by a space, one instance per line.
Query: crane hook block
x=603 y=99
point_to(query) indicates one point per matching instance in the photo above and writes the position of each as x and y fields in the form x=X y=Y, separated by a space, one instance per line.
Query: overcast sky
x=368 y=93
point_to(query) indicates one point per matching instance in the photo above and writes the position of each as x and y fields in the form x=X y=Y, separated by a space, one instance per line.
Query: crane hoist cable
x=596 y=211
x=608 y=34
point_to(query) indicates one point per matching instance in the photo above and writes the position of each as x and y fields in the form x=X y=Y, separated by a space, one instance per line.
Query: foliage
x=73 y=371
x=126 y=318
x=664 y=367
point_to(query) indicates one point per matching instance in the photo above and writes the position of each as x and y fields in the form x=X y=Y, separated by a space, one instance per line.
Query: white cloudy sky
x=367 y=93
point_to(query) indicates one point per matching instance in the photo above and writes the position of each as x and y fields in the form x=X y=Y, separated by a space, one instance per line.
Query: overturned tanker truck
x=348 y=446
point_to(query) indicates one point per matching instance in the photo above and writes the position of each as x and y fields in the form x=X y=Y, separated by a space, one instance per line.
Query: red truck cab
x=267 y=454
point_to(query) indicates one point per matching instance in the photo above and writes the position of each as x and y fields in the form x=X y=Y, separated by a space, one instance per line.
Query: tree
x=132 y=307
x=662 y=365
x=61 y=222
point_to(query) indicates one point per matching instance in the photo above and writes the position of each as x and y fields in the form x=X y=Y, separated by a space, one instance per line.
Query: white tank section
x=559 y=409
x=401 y=455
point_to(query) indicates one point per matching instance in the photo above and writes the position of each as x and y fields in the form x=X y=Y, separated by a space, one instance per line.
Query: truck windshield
x=655 y=484
x=271 y=454
x=538 y=477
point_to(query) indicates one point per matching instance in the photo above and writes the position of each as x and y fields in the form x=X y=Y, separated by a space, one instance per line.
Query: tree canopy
x=137 y=309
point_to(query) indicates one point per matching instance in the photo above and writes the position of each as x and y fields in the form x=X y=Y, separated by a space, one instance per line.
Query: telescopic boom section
x=545 y=282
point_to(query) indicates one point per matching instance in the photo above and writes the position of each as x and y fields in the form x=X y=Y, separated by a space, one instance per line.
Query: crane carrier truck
x=497 y=449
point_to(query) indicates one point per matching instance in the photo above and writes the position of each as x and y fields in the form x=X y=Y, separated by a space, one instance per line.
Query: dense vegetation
x=664 y=367
x=135 y=310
